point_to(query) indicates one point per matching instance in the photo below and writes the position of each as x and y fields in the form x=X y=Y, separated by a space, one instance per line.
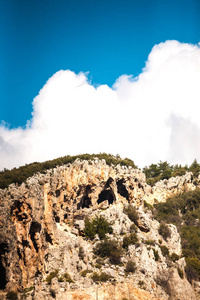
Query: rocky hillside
x=83 y=231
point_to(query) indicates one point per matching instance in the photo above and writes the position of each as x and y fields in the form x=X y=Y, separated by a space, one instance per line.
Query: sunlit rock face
x=42 y=230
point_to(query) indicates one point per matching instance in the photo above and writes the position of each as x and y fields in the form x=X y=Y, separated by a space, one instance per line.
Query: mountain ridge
x=43 y=230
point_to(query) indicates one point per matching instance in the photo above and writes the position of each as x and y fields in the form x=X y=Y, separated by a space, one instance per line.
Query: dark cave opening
x=57 y=193
x=57 y=219
x=35 y=227
x=106 y=195
x=19 y=253
x=84 y=203
x=3 y=281
x=85 y=200
x=121 y=189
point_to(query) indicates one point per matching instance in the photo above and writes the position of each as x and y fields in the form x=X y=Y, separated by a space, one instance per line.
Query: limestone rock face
x=169 y=187
x=42 y=231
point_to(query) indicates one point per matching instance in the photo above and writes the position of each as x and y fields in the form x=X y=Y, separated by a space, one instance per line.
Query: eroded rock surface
x=42 y=230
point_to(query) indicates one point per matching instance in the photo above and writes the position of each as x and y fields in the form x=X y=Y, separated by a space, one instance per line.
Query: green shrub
x=89 y=230
x=180 y=273
x=81 y=252
x=131 y=212
x=85 y=272
x=95 y=277
x=52 y=275
x=103 y=277
x=98 y=266
x=130 y=267
x=68 y=278
x=28 y=289
x=164 y=230
x=61 y=279
x=133 y=228
x=98 y=226
x=164 y=250
x=194 y=262
x=111 y=249
x=11 y=295
x=130 y=239
x=191 y=274
x=174 y=257
x=156 y=255
x=100 y=261
x=150 y=242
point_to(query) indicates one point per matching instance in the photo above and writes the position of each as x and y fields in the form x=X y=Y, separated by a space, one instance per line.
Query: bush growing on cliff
x=52 y=275
x=68 y=278
x=98 y=226
x=131 y=212
x=111 y=249
x=164 y=230
x=184 y=211
x=174 y=257
x=103 y=277
x=164 y=250
x=163 y=170
x=156 y=255
x=130 y=267
x=191 y=273
x=130 y=239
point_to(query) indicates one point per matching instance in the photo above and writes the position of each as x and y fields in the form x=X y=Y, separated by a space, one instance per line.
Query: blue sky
x=106 y=38
x=155 y=42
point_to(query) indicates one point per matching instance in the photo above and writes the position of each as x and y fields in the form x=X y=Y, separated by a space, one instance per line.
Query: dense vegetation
x=99 y=226
x=109 y=248
x=184 y=211
x=163 y=170
x=19 y=175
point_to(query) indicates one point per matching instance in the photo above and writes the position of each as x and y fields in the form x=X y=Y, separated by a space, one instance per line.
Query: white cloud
x=149 y=118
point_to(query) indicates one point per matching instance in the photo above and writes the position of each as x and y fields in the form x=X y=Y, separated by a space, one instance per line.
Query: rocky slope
x=45 y=254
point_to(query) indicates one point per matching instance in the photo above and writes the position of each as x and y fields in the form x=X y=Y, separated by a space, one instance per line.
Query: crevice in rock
x=56 y=217
x=140 y=186
x=48 y=237
x=3 y=280
x=38 y=273
x=106 y=195
x=25 y=243
x=85 y=200
x=35 y=227
x=108 y=183
x=19 y=253
x=57 y=193
x=121 y=188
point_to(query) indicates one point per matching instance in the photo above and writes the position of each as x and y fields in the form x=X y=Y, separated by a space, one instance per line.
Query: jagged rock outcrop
x=169 y=187
x=42 y=230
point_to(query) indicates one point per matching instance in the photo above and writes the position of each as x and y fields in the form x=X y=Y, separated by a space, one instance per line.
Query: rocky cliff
x=45 y=253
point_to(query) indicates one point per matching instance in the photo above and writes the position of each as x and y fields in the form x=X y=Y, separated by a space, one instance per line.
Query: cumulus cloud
x=148 y=118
